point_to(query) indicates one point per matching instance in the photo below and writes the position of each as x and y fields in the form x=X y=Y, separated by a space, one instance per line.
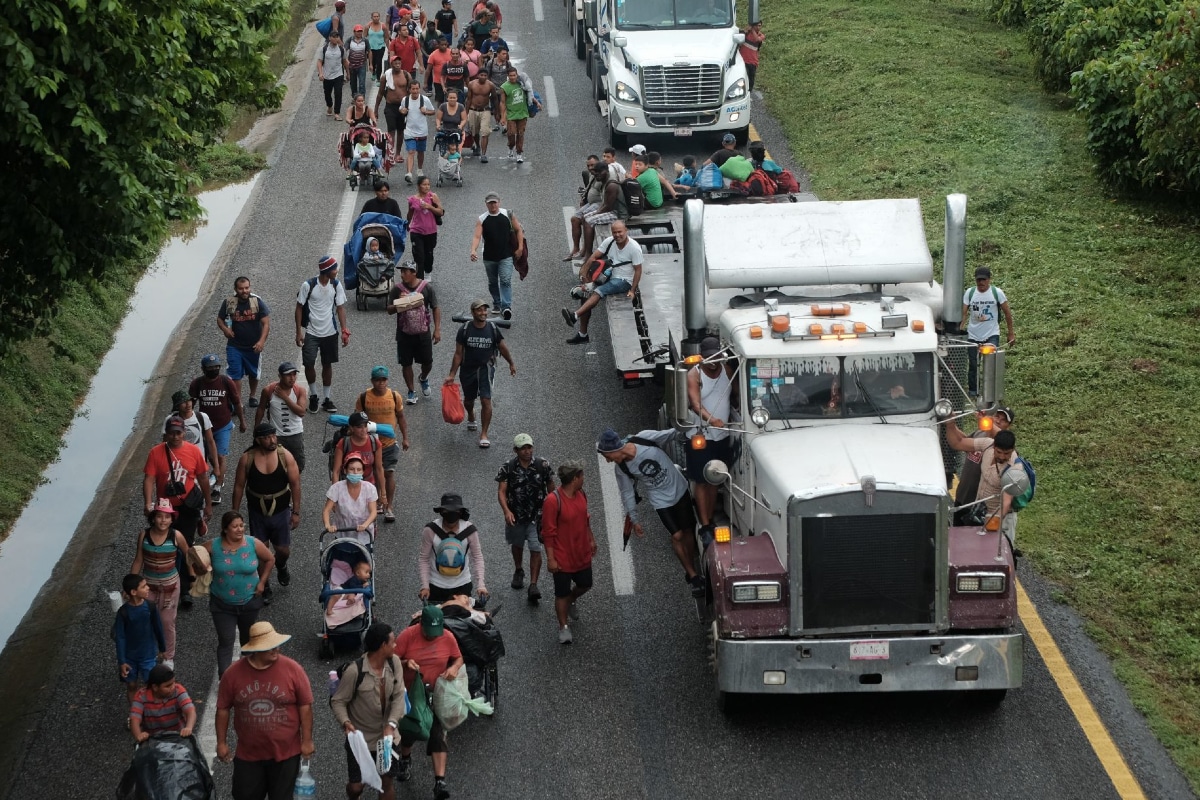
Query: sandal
x=574 y=255
x=484 y=443
x=472 y=425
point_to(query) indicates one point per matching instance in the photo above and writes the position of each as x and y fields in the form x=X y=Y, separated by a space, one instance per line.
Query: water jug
x=306 y=787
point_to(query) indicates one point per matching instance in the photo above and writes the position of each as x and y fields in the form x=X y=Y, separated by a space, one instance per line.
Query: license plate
x=869 y=651
x=683 y=131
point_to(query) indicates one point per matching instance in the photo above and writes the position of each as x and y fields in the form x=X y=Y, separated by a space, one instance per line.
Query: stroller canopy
x=352 y=253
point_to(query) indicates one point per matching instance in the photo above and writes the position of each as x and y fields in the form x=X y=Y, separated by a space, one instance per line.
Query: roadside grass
x=44 y=380
x=300 y=14
x=913 y=98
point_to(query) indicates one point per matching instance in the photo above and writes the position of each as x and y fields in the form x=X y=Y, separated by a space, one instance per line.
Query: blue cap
x=211 y=360
x=728 y=138
x=609 y=441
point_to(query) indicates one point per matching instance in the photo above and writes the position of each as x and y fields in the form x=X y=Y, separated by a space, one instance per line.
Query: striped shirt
x=160 y=715
x=158 y=560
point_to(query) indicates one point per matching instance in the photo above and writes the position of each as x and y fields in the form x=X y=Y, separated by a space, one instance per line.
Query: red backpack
x=785 y=183
x=760 y=184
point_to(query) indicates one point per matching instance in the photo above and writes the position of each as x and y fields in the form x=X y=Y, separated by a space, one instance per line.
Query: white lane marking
x=346 y=215
x=538 y=14
x=206 y=729
x=551 y=97
x=614 y=517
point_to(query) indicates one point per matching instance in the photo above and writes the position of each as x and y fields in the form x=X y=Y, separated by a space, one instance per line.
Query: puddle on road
x=106 y=418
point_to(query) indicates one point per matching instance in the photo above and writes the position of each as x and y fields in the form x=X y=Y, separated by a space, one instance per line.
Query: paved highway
x=628 y=711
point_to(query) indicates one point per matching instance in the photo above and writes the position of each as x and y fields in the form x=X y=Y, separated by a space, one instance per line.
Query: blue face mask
x=352 y=478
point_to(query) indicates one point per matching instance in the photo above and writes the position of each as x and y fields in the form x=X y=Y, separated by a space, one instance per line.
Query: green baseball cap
x=432 y=622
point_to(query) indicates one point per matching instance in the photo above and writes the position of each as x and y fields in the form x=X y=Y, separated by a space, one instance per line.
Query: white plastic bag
x=366 y=764
x=452 y=701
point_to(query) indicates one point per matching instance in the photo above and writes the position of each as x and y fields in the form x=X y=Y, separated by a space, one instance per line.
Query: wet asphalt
x=629 y=710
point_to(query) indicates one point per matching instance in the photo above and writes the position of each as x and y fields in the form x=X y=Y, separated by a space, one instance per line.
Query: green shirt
x=648 y=180
x=516 y=104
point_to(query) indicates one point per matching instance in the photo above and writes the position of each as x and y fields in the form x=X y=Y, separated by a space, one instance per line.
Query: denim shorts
x=221 y=437
x=241 y=363
x=614 y=286
x=415 y=145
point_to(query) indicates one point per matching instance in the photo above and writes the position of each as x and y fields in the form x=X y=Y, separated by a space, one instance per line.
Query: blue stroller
x=345 y=613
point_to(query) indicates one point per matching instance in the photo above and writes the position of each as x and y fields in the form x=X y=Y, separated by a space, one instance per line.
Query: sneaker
x=314 y=402
x=697 y=584
x=518 y=580
x=186 y=601
x=404 y=769
x=483 y=159
x=266 y=595
x=440 y=790
x=216 y=495
x=411 y=398
x=285 y=577
x=534 y=593
x=425 y=391
x=389 y=515
x=579 y=293
x=506 y=313
x=564 y=635
x=408 y=178
x=573 y=610
x=579 y=338
x=512 y=153
x=520 y=158
x=169 y=662
x=569 y=317
x=328 y=406
x=495 y=309
x=252 y=402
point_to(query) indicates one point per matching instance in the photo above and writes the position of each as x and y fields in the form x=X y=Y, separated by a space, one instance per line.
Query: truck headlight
x=981 y=582
x=756 y=592
x=626 y=93
x=736 y=90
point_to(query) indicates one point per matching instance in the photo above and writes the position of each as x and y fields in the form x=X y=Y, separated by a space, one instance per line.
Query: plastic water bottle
x=333 y=682
x=306 y=787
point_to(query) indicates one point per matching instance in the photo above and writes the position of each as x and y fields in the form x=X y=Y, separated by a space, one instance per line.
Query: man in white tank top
x=284 y=404
x=710 y=389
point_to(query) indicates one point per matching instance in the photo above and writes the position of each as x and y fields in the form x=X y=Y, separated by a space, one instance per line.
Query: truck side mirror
x=715 y=472
x=589 y=14
x=991 y=368
x=752 y=14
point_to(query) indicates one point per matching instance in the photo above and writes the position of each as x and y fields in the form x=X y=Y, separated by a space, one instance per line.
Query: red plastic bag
x=452 y=404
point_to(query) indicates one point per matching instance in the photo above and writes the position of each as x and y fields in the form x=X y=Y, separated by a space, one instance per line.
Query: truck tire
x=598 y=91
x=588 y=61
x=989 y=698
x=743 y=136
x=617 y=139
x=580 y=40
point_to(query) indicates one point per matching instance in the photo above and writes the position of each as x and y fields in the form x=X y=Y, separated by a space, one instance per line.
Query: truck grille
x=681 y=87
x=869 y=570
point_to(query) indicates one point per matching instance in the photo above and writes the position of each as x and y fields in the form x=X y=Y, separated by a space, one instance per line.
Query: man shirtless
x=395 y=89
x=481 y=93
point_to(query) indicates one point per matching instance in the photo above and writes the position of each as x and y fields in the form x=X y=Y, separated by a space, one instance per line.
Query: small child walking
x=138 y=633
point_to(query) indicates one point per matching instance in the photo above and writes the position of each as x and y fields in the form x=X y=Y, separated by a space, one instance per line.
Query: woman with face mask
x=451 y=559
x=352 y=503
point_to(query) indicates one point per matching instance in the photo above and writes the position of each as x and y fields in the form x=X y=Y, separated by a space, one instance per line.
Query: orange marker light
x=860 y=327
x=698 y=442
x=918 y=325
x=756 y=332
x=987 y=349
x=837 y=327
x=722 y=534
x=986 y=424
x=692 y=361
x=815 y=329
x=829 y=309
x=781 y=323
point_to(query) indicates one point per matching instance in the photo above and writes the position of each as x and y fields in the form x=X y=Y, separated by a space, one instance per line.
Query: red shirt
x=217 y=398
x=434 y=63
x=433 y=656
x=566 y=530
x=186 y=461
x=406 y=50
x=265 y=705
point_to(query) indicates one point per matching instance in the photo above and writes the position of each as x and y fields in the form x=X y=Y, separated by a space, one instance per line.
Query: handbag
x=418 y=722
x=194 y=500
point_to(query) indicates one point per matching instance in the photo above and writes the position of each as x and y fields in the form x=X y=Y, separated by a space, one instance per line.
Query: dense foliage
x=106 y=103
x=1133 y=69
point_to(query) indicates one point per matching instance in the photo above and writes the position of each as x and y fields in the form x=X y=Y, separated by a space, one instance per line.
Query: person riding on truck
x=709 y=387
x=640 y=458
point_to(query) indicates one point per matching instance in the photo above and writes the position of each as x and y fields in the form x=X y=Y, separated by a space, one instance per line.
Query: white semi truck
x=664 y=66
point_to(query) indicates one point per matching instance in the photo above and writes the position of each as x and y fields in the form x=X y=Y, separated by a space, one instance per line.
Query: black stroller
x=375 y=279
x=339 y=557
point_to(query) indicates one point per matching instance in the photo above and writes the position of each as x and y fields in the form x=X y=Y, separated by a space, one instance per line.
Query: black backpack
x=635 y=198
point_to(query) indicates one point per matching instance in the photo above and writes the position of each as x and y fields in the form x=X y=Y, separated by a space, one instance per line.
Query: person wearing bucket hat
x=160 y=555
x=268 y=476
x=284 y=404
x=197 y=430
x=218 y=396
x=451 y=557
x=320 y=316
x=429 y=652
x=270 y=700
x=641 y=460
x=524 y=482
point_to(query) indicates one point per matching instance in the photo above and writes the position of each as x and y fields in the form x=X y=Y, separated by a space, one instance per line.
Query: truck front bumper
x=631 y=118
x=917 y=664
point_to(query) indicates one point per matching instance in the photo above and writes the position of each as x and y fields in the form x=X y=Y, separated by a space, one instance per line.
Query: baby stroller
x=352 y=615
x=373 y=280
x=362 y=171
x=448 y=170
x=480 y=642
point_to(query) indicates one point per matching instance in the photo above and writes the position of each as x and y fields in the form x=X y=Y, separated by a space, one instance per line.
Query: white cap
x=638 y=149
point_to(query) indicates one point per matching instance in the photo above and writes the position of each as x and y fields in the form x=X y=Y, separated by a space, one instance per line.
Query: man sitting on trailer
x=625 y=256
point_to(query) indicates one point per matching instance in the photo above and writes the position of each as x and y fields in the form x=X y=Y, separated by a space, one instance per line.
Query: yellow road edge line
x=1085 y=714
x=754 y=135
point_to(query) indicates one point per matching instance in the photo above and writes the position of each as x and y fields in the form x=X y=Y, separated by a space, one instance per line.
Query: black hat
x=982 y=272
x=264 y=429
x=452 y=502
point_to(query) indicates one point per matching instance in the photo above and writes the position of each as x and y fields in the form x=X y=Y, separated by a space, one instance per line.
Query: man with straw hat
x=271 y=698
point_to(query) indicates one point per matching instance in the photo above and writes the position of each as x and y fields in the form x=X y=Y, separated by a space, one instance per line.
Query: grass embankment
x=43 y=380
x=898 y=98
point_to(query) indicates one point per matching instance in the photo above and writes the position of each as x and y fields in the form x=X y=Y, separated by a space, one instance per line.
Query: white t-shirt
x=623 y=259
x=983 y=312
x=350 y=513
x=193 y=427
x=321 y=306
x=617 y=172
x=416 y=124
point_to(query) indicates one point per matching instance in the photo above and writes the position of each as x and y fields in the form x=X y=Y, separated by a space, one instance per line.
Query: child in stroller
x=347 y=591
x=449 y=157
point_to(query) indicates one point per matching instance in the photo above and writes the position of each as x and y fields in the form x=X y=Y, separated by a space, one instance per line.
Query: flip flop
x=484 y=444
x=472 y=425
x=571 y=257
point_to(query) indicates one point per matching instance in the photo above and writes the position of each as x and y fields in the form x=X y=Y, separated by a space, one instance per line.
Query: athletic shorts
x=241 y=363
x=414 y=347
x=479 y=123
x=680 y=516
x=140 y=671
x=437 y=736
x=439 y=595
x=415 y=145
x=719 y=450
x=294 y=444
x=613 y=286
x=276 y=529
x=391 y=457
x=477 y=382
x=600 y=217
x=327 y=346
x=523 y=534
x=563 y=581
x=221 y=437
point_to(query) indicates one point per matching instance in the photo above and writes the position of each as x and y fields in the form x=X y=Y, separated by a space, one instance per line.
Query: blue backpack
x=536 y=106
x=325 y=26
x=1026 y=498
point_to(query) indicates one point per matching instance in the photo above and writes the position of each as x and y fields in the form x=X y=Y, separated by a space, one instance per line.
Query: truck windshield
x=842 y=386
x=667 y=14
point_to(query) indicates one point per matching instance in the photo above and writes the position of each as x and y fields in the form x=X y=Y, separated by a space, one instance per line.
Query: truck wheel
x=731 y=704
x=598 y=92
x=989 y=698
x=588 y=67
x=617 y=139
x=743 y=136
x=580 y=41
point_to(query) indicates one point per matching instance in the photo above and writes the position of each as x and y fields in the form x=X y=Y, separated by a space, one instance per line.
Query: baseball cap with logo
x=522 y=440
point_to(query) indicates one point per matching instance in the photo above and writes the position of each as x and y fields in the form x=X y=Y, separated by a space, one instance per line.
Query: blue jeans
x=499 y=275
x=973 y=362
x=358 y=80
x=614 y=286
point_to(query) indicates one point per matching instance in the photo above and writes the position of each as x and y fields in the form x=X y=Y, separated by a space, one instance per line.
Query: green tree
x=105 y=103
x=1168 y=103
